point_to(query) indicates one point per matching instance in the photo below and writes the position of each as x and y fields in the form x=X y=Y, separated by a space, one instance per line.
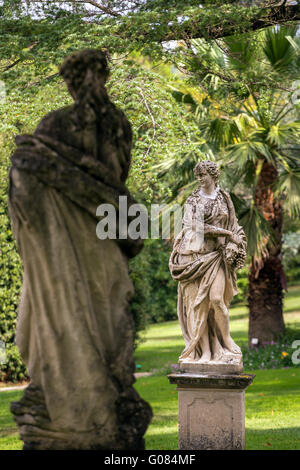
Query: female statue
x=207 y=272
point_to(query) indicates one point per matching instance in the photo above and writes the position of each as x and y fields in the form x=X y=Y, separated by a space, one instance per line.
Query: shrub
x=274 y=355
x=155 y=298
x=242 y=283
x=10 y=279
x=14 y=369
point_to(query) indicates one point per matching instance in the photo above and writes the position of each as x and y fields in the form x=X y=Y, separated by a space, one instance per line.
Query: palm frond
x=220 y=131
x=240 y=205
x=279 y=134
x=185 y=98
x=246 y=151
x=240 y=53
x=289 y=184
x=278 y=48
x=209 y=52
x=245 y=123
x=257 y=230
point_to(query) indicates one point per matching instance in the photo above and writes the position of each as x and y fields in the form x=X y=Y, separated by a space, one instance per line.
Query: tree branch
x=281 y=14
x=106 y=10
x=95 y=4
x=10 y=66
x=153 y=122
x=46 y=79
x=269 y=15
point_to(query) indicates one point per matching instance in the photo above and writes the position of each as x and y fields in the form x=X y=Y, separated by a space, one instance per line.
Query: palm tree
x=255 y=137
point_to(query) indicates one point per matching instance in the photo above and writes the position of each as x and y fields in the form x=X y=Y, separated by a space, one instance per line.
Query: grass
x=272 y=403
x=162 y=343
x=9 y=437
x=272 y=411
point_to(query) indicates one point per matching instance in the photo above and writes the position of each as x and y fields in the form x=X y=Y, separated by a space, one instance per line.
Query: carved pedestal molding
x=211 y=410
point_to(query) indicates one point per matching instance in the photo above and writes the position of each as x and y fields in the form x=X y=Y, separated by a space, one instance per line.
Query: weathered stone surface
x=213 y=367
x=219 y=381
x=205 y=257
x=75 y=329
x=211 y=410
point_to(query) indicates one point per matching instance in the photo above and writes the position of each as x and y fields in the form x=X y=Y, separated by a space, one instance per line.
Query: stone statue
x=75 y=329
x=207 y=273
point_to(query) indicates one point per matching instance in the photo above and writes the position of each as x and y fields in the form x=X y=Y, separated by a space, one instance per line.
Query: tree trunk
x=267 y=279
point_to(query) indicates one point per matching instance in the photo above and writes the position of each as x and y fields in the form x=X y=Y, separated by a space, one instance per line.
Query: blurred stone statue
x=206 y=271
x=75 y=329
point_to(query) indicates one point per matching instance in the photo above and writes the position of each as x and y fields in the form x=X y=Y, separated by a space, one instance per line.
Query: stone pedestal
x=211 y=410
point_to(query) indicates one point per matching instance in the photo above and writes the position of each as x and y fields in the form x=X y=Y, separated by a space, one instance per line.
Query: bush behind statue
x=10 y=279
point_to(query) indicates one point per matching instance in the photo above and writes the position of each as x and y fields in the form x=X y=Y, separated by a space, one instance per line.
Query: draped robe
x=197 y=271
x=75 y=329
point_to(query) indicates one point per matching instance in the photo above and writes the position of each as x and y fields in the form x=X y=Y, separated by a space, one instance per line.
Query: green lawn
x=9 y=438
x=272 y=401
x=272 y=411
x=162 y=343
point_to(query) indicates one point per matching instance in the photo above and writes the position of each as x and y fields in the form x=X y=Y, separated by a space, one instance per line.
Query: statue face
x=205 y=180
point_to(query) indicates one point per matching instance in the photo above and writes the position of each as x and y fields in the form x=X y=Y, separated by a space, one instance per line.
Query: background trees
x=255 y=134
x=41 y=32
x=158 y=125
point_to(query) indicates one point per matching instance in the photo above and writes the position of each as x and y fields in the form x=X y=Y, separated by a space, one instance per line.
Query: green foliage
x=155 y=298
x=14 y=369
x=40 y=33
x=242 y=284
x=21 y=115
x=160 y=126
x=10 y=268
x=243 y=130
x=157 y=125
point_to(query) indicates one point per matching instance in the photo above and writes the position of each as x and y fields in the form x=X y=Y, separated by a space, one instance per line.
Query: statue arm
x=216 y=231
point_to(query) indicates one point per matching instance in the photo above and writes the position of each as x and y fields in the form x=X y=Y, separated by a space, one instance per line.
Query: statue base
x=232 y=365
x=211 y=409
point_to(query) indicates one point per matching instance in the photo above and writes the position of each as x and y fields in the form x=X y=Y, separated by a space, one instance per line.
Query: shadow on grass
x=8 y=432
x=293 y=291
x=158 y=358
x=239 y=335
x=163 y=338
x=240 y=316
x=163 y=441
x=291 y=310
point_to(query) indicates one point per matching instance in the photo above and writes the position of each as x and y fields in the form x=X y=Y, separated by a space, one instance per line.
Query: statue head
x=88 y=64
x=207 y=168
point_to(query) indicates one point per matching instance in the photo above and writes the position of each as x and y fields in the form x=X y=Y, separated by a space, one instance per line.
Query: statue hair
x=210 y=167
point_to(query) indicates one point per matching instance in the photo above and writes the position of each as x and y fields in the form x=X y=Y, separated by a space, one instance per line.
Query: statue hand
x=235 y=239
